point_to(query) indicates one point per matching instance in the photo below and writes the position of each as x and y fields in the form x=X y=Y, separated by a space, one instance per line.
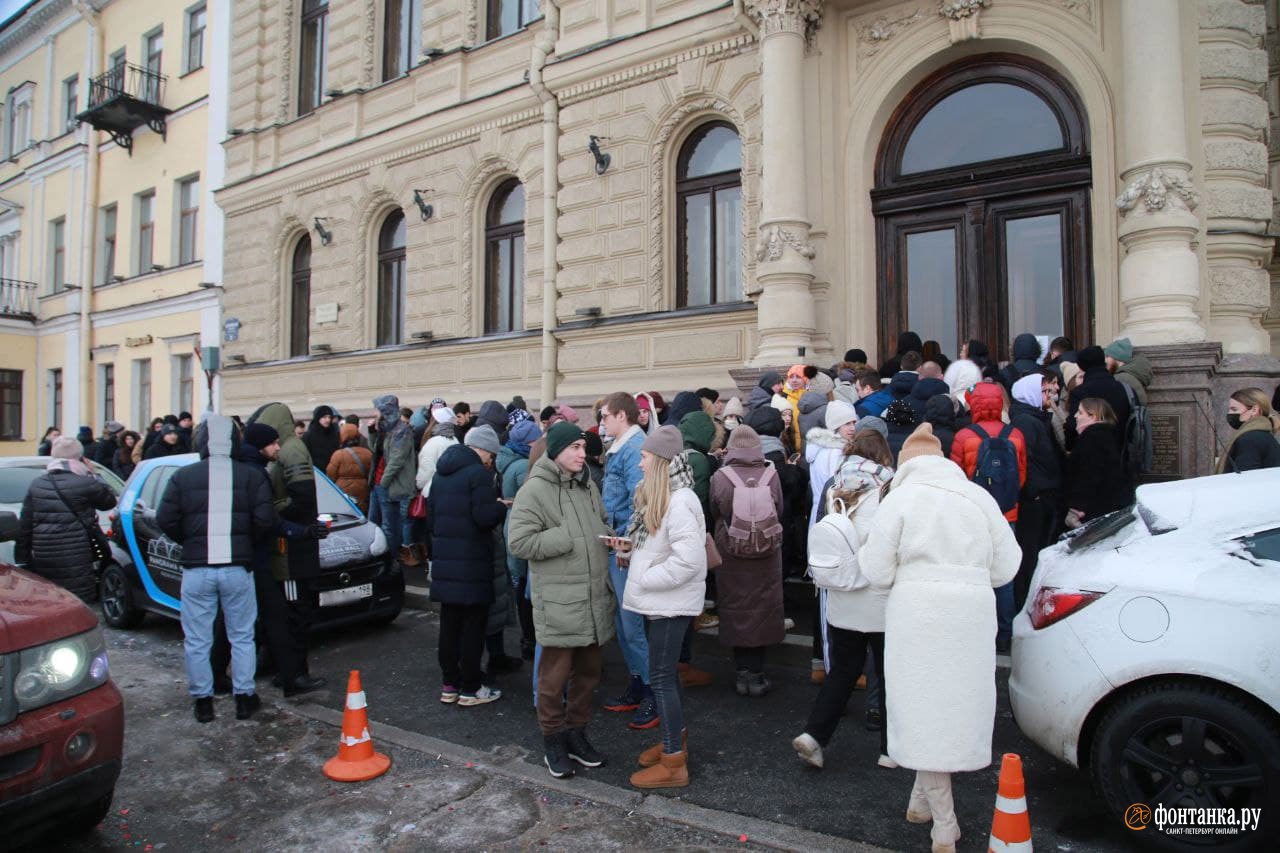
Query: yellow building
x=107 y=228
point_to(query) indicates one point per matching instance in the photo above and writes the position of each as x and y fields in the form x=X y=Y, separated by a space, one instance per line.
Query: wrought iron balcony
x=123 y=99
x=17 y=299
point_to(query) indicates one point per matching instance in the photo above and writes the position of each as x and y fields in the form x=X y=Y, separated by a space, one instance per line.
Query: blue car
x=359 y=580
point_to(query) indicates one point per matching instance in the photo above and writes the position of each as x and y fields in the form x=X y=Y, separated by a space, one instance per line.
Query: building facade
x=486 y=197
x=107 y=227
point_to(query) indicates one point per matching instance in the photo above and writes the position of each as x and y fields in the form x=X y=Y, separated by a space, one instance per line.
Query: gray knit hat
x=665 y=442
x=66 y=447
x=874 y=423
x=483 y=438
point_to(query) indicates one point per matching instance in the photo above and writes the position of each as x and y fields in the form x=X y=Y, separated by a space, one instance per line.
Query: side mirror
x=8 y=527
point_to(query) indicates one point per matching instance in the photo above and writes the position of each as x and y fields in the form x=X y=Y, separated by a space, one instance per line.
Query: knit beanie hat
x=781 y=403
x=483 y=438
x=1091 y=358
x=744 y=437
x=442 y=415
x=873 y=423
x=516 y=416
x=822 y=384
x=85 y=434
x=259 y=435
x=569 y=413
x=347 y=432
x=839 y=413
x=66 y=447
x=922 y=442
x=436 y=402
x=665 y=442
x=855 y=356
x=1121 y=349
x=900 y=413
x=766 y=420
x=114 y=427
x=1070 y=370
x=734 y=407
x=561 y=436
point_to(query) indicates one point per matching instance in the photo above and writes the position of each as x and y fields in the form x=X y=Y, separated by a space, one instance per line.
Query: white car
x=1149 y=653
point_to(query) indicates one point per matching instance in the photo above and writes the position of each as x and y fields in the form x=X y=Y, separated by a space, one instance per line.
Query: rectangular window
x=55 y=398
x=18 y=138
x=184 y=371
x=57 y=254
x=153 y=53
x=142 y=391
x=146 y=230
x=398 y=38
x=195 y=37
x=507 y=16
x=10 y=404
x=313 y=54
x=117 y=63
x=70 y=101
x=108 y=385
x=108 y=269
x=188 y=215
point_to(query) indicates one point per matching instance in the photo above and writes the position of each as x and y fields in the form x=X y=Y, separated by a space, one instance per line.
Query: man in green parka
x=556 y=524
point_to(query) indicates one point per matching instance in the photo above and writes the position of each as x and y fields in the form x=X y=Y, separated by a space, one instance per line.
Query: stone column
x=785 y=318
x=1160 y=274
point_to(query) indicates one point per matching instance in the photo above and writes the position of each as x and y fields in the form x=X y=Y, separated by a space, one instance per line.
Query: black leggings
x=848 y=654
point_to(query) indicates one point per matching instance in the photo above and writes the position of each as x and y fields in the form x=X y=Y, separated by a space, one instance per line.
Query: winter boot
x=646 y=715
x=690 y=676
x=204 y=709
x=758 y=685
x=808 y=748
x=671 y=771
x=653 y=754
x=409 y=557
x=918 y=810
x=630 y=698
x=556 y=755
x=246 y=704
x=741 y=685
x=581 y=750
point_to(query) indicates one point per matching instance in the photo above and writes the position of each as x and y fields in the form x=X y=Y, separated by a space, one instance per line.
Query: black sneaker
x=874 y=721
x=204 y=709
x=246 y=704
x=557 y=755
x=646 y=715
x=581 y=750
x=303 y=684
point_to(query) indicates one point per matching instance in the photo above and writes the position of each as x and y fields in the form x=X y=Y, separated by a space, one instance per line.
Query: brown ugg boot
x=408 y=557
x=691 y=676
x=670 y=772
x=653 y=754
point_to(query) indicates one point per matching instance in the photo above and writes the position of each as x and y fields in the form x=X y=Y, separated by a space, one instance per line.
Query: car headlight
x=61 y=669
x=379 y=545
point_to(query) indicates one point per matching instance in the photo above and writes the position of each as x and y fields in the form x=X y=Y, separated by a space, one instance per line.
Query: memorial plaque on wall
x=1166 y=439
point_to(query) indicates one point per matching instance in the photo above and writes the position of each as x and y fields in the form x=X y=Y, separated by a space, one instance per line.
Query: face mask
x=1233 y=420
x=731 y=423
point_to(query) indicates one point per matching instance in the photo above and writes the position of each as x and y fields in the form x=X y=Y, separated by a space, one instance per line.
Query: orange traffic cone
x=356 y=761
x=1011 y=826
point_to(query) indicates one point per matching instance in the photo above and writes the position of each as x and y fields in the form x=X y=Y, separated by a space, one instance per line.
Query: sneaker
x=581 y=750
x=741 y=685
x=808 y=749
x=556 y=755
x=706 y=621
x=788 y=624
x=630 y=698
x=448 y=694
x=483 y=696
x=887 y=762
x=758 y=685
x=646 y=715
x=246 y=705
x=874 y=721
x=204 y=709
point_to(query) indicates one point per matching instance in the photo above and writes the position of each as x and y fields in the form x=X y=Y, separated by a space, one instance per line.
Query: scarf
x=446 y=429
x=681 y=477
x=858 y=475
x=74 y=466
x=1258 y=424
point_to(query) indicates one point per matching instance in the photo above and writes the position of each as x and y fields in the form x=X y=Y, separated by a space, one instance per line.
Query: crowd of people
x=656 y=519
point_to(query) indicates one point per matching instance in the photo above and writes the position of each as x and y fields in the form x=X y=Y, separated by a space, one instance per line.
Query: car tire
x=84 y=820
x=1142 y=735
x=384 y=619
x=116 y=599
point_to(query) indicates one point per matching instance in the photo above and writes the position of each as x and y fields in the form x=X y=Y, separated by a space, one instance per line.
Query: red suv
x=61 y=717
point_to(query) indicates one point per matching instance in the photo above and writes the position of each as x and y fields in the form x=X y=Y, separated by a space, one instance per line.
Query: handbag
x=713 y=553
x=97 y=540
x=418 y=507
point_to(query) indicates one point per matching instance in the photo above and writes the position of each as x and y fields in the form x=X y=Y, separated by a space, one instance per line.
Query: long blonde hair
x=1250 y=397
x=653 y=495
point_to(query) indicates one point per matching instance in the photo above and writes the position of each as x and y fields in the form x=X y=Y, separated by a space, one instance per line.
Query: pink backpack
x=754 y=530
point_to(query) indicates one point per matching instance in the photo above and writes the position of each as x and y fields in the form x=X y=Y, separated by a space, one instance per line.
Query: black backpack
x=1136 y=451
x=997 y=468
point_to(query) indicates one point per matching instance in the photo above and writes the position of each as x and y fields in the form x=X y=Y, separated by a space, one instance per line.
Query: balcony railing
x=17 y=299
x=124 y=98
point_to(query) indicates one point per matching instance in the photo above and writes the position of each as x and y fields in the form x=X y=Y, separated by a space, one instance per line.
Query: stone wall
x=1271 y=322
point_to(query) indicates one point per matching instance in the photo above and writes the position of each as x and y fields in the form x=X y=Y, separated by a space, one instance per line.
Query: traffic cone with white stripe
x=1011 y=826
x=356 y=760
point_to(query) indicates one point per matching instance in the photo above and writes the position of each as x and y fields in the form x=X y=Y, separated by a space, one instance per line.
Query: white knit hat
x=839 y=413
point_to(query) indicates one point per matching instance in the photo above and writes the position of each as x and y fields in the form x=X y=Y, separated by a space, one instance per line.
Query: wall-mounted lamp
x=425 y=209
x=589 y=311
x=326 y=236
x=602 y=159
x=423 y=335
x=322 y=348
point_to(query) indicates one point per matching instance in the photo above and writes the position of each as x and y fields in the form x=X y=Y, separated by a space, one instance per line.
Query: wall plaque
x=1166 y=440
x=144 y=340
x=327 y=313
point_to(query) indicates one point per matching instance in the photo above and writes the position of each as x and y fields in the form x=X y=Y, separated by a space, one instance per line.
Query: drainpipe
x=89 y=225
x=543 y=46
x=744 y=20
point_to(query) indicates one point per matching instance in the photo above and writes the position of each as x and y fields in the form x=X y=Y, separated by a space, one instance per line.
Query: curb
x=512 y=766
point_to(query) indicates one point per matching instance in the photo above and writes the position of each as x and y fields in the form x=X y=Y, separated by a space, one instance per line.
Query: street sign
x=231 y=330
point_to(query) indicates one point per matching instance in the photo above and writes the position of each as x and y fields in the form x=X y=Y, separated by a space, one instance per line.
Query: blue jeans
x=393 y=514
x=413 y=531
x=630 y=627
x=203 y=589
x=665 y=636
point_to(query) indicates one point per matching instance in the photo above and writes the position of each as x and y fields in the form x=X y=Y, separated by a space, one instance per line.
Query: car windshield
x=331 y=500
x=109 y=477
x=1100 y=529
x=14 y=483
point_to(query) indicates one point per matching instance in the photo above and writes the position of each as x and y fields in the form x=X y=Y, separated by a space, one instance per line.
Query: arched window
x=709 y=217
x=504 y=259
x=982 y=208
x=391 y=283
x=300 y=299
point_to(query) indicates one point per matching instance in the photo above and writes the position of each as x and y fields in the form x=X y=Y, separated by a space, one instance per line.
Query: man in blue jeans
x=215 y=509
x=620 y=420
x=395 y=462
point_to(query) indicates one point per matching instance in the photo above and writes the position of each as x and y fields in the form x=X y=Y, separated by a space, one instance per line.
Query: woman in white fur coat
x=941 y=546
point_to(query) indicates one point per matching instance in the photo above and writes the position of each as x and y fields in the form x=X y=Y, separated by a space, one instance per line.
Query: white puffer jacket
x=429 y=457
x=668 y=573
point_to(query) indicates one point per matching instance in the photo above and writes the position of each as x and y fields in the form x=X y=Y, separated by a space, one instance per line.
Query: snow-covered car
x=359 y=582
x=1149 y=653
x=16 y=474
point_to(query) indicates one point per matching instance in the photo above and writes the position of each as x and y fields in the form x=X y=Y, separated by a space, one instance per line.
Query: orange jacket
x=346 y=474
x=986 y=404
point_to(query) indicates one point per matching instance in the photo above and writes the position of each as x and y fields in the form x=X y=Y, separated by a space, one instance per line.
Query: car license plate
x=335 y=597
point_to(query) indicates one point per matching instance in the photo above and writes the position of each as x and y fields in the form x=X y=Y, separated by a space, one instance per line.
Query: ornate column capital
x=1153 y=187
x=956 y=10
x=786 y=16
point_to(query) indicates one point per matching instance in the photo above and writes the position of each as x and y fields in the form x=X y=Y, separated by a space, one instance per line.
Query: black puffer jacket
x=322 y=443
x=1044 y=459
x=217 y=486
x=464 y=511
x=1095 y=480
x=52 y=541
x=940 y=411
x=1026 y=349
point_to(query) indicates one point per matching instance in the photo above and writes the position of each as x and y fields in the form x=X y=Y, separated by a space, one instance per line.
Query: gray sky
x=8 y=7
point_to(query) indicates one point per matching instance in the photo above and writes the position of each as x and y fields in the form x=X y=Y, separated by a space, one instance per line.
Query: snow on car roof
x=1222 y=504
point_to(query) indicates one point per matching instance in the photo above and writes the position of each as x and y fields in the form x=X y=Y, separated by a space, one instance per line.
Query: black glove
x=315 y=530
